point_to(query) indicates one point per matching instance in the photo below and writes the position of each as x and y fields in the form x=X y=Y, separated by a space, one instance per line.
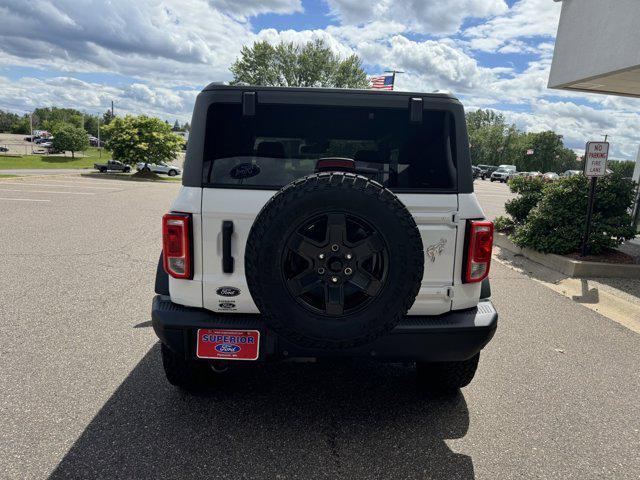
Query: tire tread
x=295 y=191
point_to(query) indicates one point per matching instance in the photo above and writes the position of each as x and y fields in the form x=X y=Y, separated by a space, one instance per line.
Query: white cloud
x=430 y=64
x=28 y=93
x=144 y=39
x=249 y=8
x=526 y=19
x=434 y=17
x=301 y=38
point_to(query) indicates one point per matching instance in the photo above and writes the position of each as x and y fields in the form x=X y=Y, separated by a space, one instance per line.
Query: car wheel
x=333 y=260
x=185 y=374
x=146 y=169
x=447 y=376
x=126 y=169
x=172 y=173
x=491 y=179
x=103 y=170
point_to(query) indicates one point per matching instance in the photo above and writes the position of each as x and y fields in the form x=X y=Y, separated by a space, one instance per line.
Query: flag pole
x=393 y=76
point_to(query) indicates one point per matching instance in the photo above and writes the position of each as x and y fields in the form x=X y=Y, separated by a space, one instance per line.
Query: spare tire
x=333 y=260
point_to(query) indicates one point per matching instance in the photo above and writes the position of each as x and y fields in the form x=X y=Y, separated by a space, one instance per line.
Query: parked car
x=500 y=175
x=4 y=149
x=488 y=170
x=270 y=253
x=534 y=174
x=517 y=174
x=550 y=177
x=571 y=173
x=53 y=151
x=112 y=166
x=511 y=168
x=170 y=170
x=477 y=172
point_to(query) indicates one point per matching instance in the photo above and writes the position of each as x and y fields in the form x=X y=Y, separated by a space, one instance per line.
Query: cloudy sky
x=153 y=56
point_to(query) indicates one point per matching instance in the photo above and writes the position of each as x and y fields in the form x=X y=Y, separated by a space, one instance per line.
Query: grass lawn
x=51 y=161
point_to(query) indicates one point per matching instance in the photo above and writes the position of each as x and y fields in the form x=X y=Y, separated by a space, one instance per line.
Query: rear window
x=284 y=142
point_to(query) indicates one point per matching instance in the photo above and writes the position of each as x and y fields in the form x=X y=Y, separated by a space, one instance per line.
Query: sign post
x=595 y=165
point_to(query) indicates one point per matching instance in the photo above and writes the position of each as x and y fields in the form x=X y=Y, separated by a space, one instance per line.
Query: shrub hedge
x=550 y=218
x=530 y=191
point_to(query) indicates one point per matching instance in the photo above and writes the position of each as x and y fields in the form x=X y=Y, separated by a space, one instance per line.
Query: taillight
x=480 y=242
x=176 y=245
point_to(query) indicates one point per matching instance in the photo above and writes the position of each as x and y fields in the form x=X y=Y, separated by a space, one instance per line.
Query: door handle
x=227 y=259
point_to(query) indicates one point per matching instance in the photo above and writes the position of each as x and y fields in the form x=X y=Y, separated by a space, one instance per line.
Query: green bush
x=524 y=185
x=557 y=223
x=530 y=191
x=503 y=224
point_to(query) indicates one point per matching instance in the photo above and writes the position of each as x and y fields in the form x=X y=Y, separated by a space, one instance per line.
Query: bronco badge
x=436 y=249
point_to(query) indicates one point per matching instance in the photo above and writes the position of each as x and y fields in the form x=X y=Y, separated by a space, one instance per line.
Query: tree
x=493 y=142
x=489 y=137
x=107 y=117
x=45 y=118
x=142 y=139
x=291 y=65
x=21 y=125
x=70 y=137
x=7 y=120
x=91 y=124
x=622 y=167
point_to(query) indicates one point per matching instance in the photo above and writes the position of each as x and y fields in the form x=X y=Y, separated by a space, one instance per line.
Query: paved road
x=45 y=171
x=492 y=196
x=82 y=394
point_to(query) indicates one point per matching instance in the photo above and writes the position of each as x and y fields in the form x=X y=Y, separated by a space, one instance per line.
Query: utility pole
x=99 y=147
x=112 y=115
x=393 y=72
x=31 y=130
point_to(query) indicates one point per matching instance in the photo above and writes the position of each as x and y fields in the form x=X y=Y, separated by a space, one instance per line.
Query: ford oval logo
x=244 y=170
x=227 y=348
x=228 y=291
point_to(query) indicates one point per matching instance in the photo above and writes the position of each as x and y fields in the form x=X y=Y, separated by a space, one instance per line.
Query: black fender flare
x=162 y=278
x=485 y=289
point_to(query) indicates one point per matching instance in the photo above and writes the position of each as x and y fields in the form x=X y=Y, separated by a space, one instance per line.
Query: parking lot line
x=44 y=191
x=63 y=186
x=79 y=180
x=25 y=199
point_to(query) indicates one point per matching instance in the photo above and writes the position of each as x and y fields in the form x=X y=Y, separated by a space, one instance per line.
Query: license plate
x=228 y=344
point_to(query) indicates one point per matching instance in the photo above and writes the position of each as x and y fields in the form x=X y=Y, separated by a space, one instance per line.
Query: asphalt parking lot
x=492 y=196
x=82 y=393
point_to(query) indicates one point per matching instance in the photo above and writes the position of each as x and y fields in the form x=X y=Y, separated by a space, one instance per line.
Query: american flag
x=383 y=82
x=530 y=151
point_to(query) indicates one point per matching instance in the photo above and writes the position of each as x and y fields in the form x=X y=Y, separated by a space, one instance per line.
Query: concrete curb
x=568 y=266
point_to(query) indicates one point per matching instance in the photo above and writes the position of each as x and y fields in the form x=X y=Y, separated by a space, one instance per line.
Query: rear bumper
x=457 y=335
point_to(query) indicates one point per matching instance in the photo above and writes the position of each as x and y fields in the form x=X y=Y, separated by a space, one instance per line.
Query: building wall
x=595 y=37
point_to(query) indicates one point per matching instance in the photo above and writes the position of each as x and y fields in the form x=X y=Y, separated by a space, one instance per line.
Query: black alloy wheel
x=335 y=263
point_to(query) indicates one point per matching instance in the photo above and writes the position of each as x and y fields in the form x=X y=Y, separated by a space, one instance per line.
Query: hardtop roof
x=252 y=88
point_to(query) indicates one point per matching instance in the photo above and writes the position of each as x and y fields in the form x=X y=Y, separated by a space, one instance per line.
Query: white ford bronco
x=319 y=223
